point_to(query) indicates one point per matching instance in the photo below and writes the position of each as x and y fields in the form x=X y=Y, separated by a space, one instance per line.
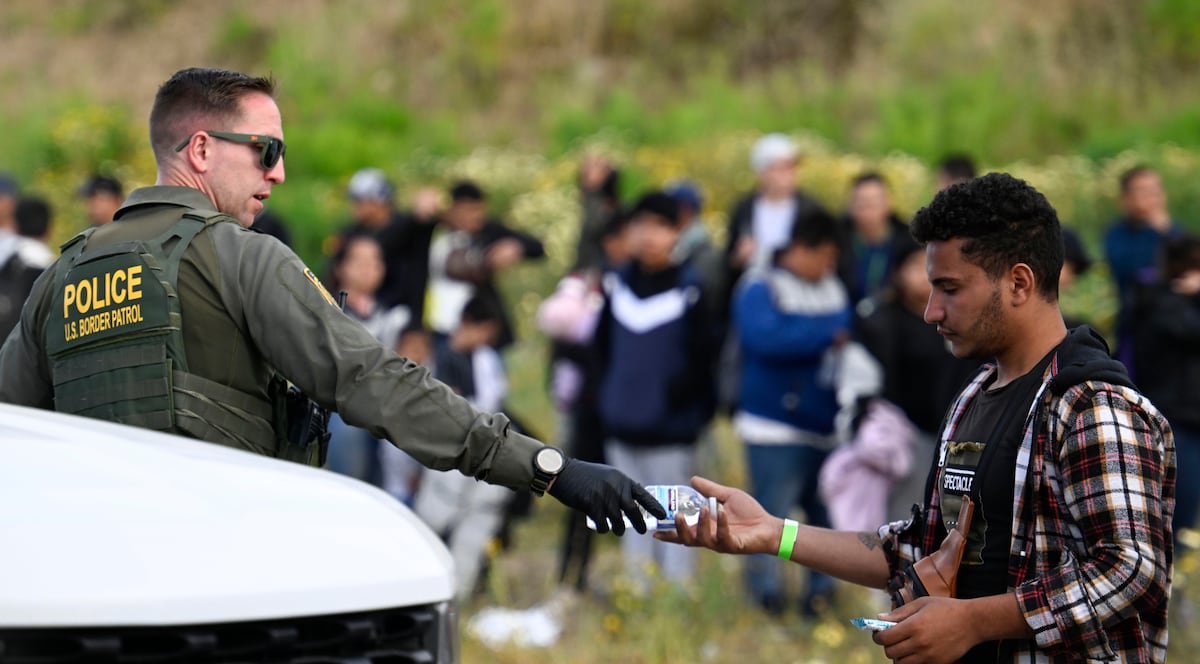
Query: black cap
x=101 y=184
x=8 y=185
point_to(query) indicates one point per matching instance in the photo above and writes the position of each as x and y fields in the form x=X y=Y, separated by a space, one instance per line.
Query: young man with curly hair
x=1071 y=469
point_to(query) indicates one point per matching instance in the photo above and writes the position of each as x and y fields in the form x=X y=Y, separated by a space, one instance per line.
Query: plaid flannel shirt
x=1090 y=557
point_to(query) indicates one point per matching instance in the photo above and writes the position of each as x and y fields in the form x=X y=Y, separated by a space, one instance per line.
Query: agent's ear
x=198 y=151
x=1022 y=283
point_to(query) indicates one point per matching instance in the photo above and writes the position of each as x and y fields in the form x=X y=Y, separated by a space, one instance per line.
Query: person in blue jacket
x=790 y=318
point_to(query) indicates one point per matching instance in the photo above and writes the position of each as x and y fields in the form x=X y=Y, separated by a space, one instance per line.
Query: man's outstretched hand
x=741 y=525
x=604 y=494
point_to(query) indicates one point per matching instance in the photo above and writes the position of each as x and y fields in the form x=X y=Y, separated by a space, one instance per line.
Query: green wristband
x=790 y=530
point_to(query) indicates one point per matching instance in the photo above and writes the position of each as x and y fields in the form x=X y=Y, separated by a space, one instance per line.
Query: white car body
x=107 y=525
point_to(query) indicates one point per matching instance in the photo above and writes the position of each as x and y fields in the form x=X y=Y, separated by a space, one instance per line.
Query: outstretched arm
x=742 y=526
x=921 y=634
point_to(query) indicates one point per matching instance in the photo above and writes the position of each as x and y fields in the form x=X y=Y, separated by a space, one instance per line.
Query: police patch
x=308 y=274
x=104 y=297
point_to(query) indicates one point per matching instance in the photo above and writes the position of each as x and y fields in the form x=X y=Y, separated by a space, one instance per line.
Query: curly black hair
x=1004 y=221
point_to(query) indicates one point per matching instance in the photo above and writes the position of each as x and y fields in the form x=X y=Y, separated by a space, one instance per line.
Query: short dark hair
x=414 y=327
x=958 y=167
x=868 y=176
x=353 y=236
x=199 y=94
x=1131 y=174
x=466 y=191
x=102 y=184
x=813 y=226
x=481 y=309
x=33 y=216
x=903 y=246
x=660 y=205
x=616 y=224
x=1074 y=252
x=1004 y=221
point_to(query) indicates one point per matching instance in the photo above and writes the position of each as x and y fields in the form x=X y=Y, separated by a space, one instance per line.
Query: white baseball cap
x=772 y=149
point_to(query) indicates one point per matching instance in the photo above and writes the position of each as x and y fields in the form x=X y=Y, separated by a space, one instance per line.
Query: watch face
x=549 y=460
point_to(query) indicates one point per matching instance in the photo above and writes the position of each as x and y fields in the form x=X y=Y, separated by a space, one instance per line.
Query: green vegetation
x=417 y=87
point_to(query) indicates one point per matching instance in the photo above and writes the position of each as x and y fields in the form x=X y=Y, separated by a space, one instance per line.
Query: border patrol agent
x=178 y=318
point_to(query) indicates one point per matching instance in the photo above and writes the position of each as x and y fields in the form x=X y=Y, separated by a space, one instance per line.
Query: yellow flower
x=829 y=634
x=612 y=623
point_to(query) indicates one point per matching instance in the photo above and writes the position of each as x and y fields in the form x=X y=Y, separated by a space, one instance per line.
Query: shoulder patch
x=312 y=278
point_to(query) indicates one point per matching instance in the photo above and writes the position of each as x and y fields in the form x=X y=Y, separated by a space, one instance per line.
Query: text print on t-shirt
x=959 y=468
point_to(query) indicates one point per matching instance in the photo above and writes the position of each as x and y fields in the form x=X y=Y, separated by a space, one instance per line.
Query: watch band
x=541 y=482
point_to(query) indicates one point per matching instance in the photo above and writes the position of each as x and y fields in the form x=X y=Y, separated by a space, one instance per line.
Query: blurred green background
x=512 y=93
x=1065 y=93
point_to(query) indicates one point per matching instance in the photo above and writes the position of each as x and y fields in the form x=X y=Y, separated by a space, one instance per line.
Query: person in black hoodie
x=1072 y=471
x=1167 y=348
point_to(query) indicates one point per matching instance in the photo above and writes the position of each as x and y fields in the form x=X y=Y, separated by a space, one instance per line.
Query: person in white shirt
x=33 y=215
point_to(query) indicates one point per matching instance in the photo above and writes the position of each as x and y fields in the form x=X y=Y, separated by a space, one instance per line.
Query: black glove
x=603 y=493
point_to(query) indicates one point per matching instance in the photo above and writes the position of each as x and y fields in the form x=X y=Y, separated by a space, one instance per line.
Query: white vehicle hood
x=102 y=524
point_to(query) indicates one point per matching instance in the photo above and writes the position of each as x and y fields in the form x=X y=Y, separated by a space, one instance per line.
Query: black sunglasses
x=272 y=148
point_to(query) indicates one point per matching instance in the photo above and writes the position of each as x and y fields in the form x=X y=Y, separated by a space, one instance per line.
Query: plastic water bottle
x=675 y=499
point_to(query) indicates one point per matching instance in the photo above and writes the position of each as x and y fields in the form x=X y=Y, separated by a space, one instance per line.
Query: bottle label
x=670 y=500
x=673 y=501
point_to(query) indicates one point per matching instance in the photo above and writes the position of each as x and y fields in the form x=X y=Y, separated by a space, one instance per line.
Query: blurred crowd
x=805 y=330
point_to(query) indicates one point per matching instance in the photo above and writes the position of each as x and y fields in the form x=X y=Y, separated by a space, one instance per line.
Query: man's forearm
x=854 y=557
x=997 y=617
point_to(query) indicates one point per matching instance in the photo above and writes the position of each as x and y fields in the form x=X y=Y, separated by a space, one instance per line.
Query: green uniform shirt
x=248 y=304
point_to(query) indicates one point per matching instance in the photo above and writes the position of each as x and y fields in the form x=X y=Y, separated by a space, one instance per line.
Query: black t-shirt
x=981 y=462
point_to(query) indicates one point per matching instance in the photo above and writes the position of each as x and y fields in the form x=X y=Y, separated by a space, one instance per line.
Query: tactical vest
x=115 y=344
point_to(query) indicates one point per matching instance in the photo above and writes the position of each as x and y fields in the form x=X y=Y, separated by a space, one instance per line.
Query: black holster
x=301 y=425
